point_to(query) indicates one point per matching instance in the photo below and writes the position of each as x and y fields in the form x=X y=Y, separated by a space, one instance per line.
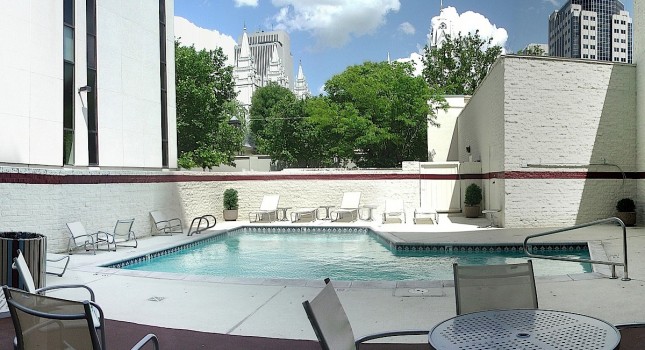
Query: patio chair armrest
x=66 y=286
x=145 y=340
x=390 y=334
x=89 y=235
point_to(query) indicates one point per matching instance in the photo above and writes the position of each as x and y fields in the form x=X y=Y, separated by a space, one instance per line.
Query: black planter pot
x=34 y=250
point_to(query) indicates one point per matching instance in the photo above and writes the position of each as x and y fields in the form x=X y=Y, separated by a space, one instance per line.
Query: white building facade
x=88 y=83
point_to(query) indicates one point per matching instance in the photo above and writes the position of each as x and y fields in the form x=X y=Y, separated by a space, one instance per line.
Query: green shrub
x=473 y=195
x=626 y=205
x=230 y=199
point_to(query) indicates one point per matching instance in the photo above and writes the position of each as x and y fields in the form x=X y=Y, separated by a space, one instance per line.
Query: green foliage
x=374 y=115
x=532 y=50
x=262 y=102
x=473 y=195
x=460 y=64
x=204 y=87
x=230 y=199
x=392 y=112
x=626 y=205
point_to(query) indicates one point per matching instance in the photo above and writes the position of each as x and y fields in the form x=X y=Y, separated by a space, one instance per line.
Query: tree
x=532 y=50
x=262 y=101
x=204 y=85
x=392 y=112
x=460 y=64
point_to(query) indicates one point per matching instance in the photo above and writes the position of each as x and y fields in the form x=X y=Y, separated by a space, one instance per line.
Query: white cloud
x=469 y=22
x=407 y=28
x=240 y=3
x=333 y=22
x=203 y=38
x=416 y=60
x=555 y=3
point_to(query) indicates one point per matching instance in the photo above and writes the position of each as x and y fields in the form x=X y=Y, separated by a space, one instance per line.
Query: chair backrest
x=351 y=200
x=43 y=322
x=492 y=287
x=76 y=229
x=329 y=321
x=123 y=227
x=158 y=216
x=394 y=206
x=270 y=202
x=27 y=279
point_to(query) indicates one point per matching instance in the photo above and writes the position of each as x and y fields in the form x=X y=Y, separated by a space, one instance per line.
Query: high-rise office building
x=591 y=29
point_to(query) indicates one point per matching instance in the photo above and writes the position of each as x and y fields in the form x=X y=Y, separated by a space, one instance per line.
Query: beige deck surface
x=272 y=308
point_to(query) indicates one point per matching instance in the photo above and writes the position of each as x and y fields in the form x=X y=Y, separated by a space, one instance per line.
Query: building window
x=92 y=93
x=164 y=83
x=68 y=82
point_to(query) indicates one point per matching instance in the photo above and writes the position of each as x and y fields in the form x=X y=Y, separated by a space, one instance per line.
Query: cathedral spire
x=245 y=51
x=301 y=88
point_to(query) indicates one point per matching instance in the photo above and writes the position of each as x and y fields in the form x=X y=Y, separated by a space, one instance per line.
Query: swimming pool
x=351 y=254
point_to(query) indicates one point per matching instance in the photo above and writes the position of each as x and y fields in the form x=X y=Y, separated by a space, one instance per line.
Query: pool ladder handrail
x=598 y=222
x=199 y=228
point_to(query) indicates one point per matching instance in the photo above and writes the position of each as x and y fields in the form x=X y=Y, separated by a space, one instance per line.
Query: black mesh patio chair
x=331 y=325
x=43 y=322
x=495 y=287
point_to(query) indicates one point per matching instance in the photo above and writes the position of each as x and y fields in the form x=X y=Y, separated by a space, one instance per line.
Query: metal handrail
x=610 y=263
x=198 y=228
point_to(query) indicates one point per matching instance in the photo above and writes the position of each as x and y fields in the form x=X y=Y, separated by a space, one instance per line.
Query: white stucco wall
x=639 y=60
x=31 y=91
x=443 y=141
x=129 y=112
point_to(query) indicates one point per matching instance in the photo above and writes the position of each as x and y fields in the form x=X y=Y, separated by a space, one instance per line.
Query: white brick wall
x=45 y=208
x=554 y=116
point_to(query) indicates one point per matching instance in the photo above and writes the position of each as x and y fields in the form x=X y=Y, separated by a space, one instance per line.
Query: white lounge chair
x=81 y=239
x=394 y=208
x=165 y=225
x=349 y=206
x=268 y=209
x=425 y=212
x=122 y=233
x=303 y=213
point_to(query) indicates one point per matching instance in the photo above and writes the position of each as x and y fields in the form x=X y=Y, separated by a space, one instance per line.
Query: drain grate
x=418 y=291
x=156 y=298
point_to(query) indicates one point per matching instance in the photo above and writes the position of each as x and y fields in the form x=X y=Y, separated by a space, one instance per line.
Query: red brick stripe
x=43 y=179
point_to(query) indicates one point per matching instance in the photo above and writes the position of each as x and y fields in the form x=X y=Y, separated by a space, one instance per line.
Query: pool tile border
x=384 y=238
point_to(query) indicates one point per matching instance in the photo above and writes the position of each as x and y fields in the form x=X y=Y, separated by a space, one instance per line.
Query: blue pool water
x=338 y=255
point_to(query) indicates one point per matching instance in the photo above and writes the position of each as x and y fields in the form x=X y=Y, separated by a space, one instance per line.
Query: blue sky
x=330 y=35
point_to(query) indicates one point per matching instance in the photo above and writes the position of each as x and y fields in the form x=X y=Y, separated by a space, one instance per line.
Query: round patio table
x=524 y=329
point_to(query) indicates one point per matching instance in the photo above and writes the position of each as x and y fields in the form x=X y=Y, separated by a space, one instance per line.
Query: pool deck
x=273 y=308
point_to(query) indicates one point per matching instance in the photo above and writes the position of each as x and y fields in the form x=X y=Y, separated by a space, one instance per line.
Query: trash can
x=34 y=249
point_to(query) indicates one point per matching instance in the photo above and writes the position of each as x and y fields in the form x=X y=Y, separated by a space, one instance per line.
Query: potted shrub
x=230 y=204
x=472 y=201
x=626 y=211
